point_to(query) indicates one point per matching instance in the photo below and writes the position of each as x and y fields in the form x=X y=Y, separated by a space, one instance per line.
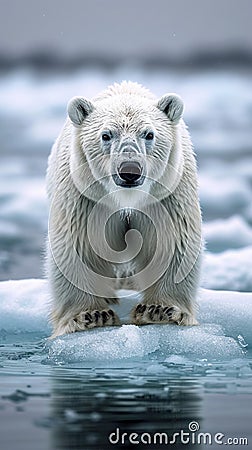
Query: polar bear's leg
x=167 y=302
x=76 y=310
x=85 y=320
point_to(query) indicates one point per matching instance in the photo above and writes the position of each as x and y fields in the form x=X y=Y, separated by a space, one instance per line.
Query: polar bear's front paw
x=144 y=314
x=85 y=321
x=91 y=319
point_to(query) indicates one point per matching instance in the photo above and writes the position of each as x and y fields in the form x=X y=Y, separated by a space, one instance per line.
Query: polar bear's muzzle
x=129 y=173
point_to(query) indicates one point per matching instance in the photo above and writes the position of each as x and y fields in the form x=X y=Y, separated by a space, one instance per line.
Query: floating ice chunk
x=127 y=341
x=130 y=341
x=204 y=341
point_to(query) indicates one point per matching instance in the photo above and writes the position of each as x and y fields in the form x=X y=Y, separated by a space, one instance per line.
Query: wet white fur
x=77 y=160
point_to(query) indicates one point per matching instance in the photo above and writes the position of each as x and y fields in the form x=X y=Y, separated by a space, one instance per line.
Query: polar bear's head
x=130 y=140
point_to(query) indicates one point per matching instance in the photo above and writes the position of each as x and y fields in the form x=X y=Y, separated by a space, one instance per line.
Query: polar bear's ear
x=172 y=105
x=78 y=108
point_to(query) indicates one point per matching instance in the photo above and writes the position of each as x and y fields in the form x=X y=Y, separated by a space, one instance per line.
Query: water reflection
x=78 y=407
x=87 y=409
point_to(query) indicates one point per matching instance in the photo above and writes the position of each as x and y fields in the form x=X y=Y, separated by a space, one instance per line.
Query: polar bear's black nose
x=130 y=172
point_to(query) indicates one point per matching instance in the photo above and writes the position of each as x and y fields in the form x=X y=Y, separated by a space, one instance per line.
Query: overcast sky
x=124 y=28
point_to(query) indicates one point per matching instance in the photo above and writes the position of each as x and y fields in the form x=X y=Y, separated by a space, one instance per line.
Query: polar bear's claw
x=91 y=319
x=144 y=314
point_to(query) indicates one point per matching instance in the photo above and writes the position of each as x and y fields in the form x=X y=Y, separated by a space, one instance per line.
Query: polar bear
x=124 y=211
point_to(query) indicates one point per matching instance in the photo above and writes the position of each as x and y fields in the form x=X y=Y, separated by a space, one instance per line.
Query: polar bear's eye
x=106 y=137
x=149 y=136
